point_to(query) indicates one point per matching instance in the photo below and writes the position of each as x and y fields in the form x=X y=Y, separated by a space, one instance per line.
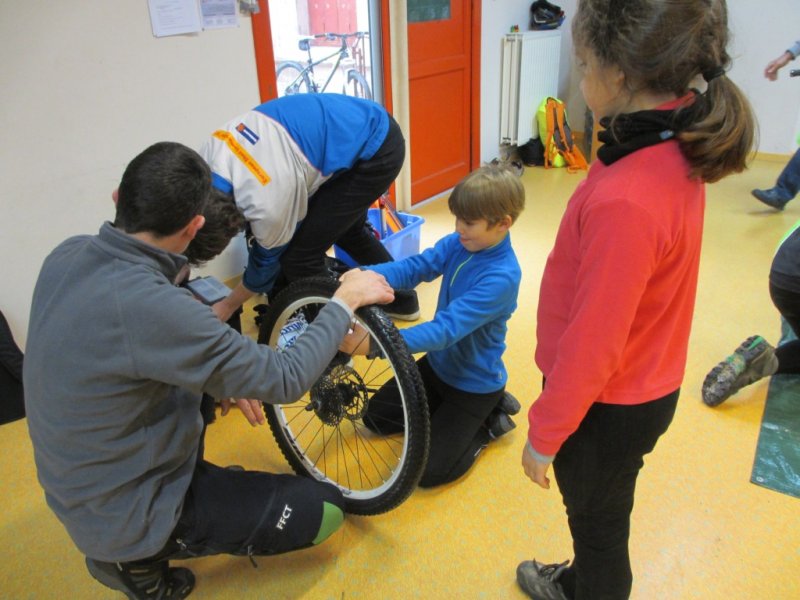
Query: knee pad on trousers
x=332 y=519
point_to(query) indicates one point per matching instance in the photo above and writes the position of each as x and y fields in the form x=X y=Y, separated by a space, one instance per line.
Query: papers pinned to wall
x=174 y=17
x=219 y=14
x=179 y=17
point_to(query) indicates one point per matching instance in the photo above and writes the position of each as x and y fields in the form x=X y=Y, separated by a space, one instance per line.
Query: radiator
x=529 y=75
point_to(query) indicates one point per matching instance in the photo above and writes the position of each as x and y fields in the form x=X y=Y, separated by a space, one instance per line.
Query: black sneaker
x=498 y=424
x=540 y=581
x=508 y=404
x=154 y=581
x=404 y=307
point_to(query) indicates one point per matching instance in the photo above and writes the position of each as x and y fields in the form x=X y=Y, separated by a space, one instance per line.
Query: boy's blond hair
x=490 y=192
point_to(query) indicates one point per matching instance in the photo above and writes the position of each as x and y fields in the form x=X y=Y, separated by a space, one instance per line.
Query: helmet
x=545 y=15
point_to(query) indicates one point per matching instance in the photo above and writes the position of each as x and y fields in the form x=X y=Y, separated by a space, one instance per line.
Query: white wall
x=497 y=18
x=86 y=87
x=759 y=35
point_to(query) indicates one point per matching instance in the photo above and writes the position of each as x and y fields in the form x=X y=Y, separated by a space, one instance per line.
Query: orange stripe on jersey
x=244 y=156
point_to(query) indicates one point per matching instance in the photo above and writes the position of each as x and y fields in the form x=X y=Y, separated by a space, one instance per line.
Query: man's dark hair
x=223 y=221
x=162 y=189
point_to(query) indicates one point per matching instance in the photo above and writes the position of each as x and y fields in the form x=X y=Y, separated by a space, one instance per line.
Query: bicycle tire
x=357 y=85
x=292 y=78
x=322 y=435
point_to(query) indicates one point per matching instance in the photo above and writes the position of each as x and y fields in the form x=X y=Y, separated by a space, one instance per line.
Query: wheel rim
x=324 y=427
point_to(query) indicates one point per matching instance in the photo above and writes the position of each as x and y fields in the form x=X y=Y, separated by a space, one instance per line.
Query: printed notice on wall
x=174 y=17
x=219 y=14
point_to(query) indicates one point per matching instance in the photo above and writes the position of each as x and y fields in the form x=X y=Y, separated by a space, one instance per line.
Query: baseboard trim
x=771 y=157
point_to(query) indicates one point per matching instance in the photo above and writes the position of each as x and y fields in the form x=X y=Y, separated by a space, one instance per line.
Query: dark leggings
x=596 y=471
x=788 y=304
x=337 y=214
x=458 y=433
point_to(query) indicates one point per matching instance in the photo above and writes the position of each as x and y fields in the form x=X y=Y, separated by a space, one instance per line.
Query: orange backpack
x=558 y=138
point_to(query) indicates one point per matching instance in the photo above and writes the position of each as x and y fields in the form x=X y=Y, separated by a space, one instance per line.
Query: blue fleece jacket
x=465 y=340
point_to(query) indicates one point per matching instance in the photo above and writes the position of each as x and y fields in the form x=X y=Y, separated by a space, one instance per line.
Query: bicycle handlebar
x=305 y=43
x=329 y=35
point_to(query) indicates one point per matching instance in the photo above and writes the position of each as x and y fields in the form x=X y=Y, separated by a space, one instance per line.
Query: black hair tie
x=713 y=73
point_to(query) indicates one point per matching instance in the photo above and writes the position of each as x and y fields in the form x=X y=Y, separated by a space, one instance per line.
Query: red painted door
x=336 y=17
x=440 y=54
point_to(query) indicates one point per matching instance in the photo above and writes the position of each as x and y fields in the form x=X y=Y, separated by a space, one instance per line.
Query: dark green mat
x=777 y=462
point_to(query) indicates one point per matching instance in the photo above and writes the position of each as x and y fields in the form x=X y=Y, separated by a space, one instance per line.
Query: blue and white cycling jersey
x=274 y=157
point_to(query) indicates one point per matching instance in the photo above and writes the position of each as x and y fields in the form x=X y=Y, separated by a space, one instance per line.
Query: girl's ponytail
x=720 y=139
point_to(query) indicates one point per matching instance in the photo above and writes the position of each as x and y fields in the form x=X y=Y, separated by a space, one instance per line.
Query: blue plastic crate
x=402 y=244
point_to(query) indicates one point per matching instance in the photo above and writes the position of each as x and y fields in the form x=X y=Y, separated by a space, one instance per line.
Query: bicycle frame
x=294 y=77
x=341 y=53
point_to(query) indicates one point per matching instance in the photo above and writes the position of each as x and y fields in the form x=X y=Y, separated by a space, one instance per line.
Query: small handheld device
x=794 y=72
x=208 y=289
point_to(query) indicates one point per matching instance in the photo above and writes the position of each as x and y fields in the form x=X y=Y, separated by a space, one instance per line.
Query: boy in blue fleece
x=462 y=369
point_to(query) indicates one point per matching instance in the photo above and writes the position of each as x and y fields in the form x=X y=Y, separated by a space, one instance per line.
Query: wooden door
x=443 y=94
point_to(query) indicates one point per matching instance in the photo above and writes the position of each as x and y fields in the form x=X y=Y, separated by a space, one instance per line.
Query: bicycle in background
x=294 y=77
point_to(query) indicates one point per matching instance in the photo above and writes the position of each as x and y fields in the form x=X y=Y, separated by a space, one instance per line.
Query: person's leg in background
x=596 y=470
x=786 y=188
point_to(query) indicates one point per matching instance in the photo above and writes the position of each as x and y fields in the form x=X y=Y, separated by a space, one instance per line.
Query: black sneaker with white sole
x=404 y=307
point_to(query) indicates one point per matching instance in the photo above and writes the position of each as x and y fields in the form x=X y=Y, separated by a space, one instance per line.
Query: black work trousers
x=596 y=471
x=240 y=512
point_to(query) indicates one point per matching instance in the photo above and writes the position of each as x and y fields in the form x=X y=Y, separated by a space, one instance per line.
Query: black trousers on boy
x=596 y=470
x=458 y=432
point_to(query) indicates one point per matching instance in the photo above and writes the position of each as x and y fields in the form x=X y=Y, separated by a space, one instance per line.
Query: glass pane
x=323 y=47
x=428 y=10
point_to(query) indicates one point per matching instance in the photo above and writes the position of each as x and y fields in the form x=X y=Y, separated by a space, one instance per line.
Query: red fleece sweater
x=618 y=291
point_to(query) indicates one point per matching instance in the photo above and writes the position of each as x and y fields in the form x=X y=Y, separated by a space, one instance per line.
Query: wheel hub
x=339 y=394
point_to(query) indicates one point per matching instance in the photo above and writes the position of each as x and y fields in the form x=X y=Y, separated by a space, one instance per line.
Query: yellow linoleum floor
x=700 y=529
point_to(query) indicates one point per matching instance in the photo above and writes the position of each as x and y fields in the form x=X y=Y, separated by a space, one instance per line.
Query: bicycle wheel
x=322 y=435
x=357 y=85
x=292 y=78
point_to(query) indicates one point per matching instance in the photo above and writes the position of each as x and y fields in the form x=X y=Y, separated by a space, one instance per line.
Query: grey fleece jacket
x=116 y=361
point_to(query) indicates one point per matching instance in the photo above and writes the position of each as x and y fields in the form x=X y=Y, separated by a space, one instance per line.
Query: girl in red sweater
x=618 y=289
